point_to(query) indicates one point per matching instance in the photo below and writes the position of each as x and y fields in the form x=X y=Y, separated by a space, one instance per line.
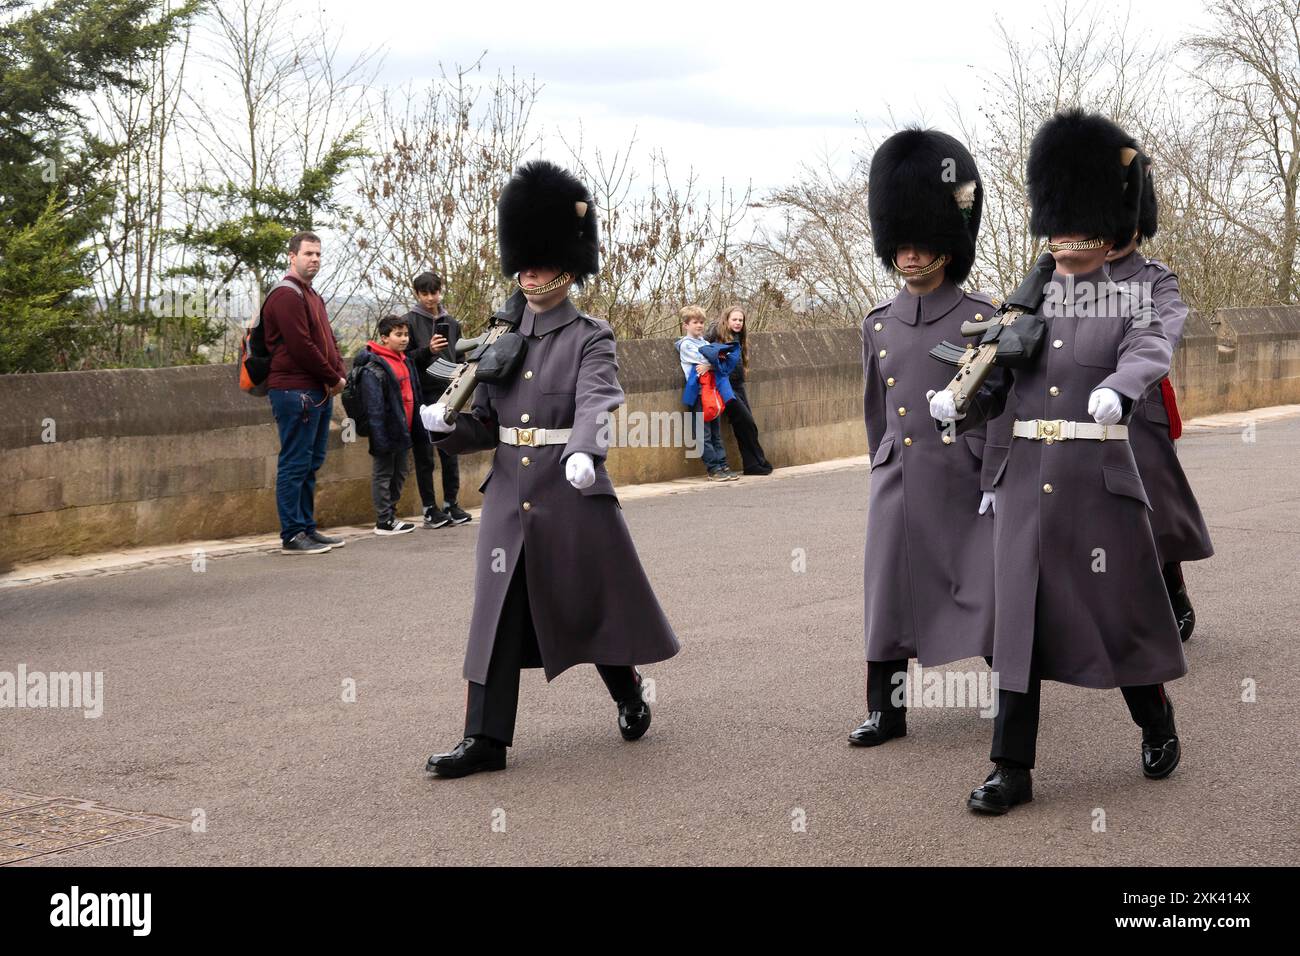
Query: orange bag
x=710 y=397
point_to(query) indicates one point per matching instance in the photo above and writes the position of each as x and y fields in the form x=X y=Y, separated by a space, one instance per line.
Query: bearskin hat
x=1148 y=214
x=546 y=217
x=1083 y=178
x=925 y=190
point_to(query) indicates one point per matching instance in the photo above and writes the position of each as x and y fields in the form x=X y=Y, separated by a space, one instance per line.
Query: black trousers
x=882 y=681
x=753 y=461
x=425 y=456
x=491 y=708
x=1015 y=728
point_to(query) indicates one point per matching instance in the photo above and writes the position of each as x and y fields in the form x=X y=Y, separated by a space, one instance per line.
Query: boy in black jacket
x=433 y=335
x=392 y=396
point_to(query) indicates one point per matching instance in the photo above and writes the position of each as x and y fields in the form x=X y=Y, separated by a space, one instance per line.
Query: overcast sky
x=742 y=91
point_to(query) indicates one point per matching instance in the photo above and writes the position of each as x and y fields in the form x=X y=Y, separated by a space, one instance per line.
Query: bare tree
x=430 y=191
x=1249 y=64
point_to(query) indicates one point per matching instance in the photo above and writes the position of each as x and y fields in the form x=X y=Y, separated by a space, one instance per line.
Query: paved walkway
x=224 y=702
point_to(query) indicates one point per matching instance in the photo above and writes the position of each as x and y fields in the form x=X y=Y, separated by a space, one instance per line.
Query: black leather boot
x=879 y=727
x=469 y=756
x=1161 y=750
x=1002 y=789
x=633 y=718
x=1182 y=604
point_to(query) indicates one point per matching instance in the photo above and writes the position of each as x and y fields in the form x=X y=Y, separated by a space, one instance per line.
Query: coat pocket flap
x=883 y=453
x=1156 y=411
x=603 y=485
x=487 y=478
x=1122 y=482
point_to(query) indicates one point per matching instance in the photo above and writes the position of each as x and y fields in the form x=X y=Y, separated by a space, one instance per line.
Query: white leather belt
x=1060 y=430
x=532 y=437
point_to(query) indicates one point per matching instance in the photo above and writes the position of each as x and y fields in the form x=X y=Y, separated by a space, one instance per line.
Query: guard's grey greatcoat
x=928 y=580
x=1181 y=534
x=1078 y=582
x=590 y=599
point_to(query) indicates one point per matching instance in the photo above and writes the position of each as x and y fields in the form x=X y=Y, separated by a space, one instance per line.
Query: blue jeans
x=715 y=453
x=303 y=417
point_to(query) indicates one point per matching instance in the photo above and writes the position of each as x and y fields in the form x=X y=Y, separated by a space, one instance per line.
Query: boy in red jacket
x=390 y=389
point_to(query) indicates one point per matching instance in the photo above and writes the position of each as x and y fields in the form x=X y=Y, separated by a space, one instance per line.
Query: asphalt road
x=224 y=693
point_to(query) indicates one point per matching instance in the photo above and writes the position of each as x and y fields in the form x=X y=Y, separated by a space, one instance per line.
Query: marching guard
x=928 y=591
x=557 y=578
x=1079 y=595
x=1180 y=531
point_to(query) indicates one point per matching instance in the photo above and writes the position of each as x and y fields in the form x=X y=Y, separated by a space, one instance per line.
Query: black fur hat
x=1148 y=214
x=546 y=217
x=912 y=198
x=1083 y=178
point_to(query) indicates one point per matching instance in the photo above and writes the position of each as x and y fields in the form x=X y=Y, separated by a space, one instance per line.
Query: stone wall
x=104 y=460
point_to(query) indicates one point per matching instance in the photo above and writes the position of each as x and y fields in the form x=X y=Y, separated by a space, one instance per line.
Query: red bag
x=1171 y=407
x=710 y=398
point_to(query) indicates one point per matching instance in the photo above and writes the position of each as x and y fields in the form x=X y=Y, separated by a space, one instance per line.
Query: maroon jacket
x=304 y=353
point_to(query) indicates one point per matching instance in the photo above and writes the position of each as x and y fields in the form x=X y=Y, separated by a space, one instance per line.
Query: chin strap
x=562 y=279
x=1081 y=245
x=923 y=271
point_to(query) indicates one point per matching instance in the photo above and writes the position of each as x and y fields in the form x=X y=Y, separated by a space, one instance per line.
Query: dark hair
x=299 y=238
x=390 y=322
x=428 y=282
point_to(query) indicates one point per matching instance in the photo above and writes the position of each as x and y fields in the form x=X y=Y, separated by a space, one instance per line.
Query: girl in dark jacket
x=730 y=327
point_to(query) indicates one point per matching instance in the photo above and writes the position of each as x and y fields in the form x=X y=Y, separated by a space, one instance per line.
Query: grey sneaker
x=330 y=540
x=303 y=543
x=718 y=476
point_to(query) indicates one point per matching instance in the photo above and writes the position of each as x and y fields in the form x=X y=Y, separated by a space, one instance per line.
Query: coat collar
x=1121 y=270
x=1084 y=287
x=931 y=306
x=543 y=323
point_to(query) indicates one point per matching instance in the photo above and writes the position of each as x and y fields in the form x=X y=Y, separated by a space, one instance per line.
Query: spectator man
x=306 y=373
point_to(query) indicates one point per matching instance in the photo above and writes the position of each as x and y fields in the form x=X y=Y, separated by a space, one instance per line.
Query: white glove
x=580 y=470
x=435 y=418
x=1104 y=406
x=943 y=406
x=989 y=502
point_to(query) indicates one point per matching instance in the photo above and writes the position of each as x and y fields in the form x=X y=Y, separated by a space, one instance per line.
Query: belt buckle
x=525 y=437
x=1049 y=430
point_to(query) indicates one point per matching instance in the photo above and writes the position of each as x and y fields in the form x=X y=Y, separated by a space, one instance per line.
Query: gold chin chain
x=1082 y=245
x=923 y=271
x=562 y=279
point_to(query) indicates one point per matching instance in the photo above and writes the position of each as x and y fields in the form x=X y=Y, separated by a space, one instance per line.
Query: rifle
x=493 y=356
x=1011 y=338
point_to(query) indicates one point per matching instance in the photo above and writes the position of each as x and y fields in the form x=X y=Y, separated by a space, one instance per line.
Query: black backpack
x=354 y=399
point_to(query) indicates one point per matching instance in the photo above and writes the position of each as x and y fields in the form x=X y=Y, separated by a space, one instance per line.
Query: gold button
x=525 y=461
x=907 y=441
x=1047 y=488
x=902 y=410
x=524 y=418
x=979 y=316
x=528 y=506
x=947 y=439
x=1057 y=344
x=996 y=303
x=1054 y=391
x=890 y=381
x=883 y=353
x=528 y=374
x=879 y=326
